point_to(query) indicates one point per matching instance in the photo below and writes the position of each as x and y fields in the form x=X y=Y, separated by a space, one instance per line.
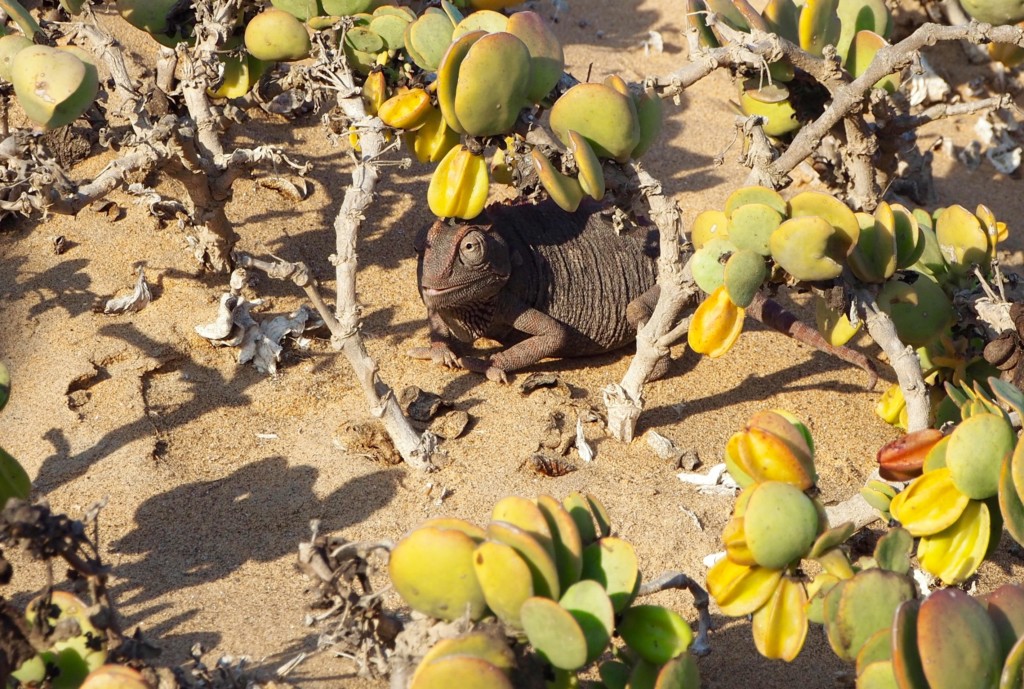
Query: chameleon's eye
x=472 y=249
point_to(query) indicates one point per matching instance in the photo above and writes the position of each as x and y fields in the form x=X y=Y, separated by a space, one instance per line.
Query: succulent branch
x=848 y=99
x=902 y=358
x=625 y=399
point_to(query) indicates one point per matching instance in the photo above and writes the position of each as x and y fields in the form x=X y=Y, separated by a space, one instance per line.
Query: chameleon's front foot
x=485 y=367
x=439 y=353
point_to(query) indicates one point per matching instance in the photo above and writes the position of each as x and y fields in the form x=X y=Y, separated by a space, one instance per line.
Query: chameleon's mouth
x=436 y=292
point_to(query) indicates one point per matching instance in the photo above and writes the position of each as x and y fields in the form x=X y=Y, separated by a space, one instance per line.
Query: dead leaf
x=286 y=188
x=552 y=467
x=366 y=440
x=136 y=301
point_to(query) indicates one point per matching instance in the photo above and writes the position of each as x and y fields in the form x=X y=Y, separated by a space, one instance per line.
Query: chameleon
x=546 y=283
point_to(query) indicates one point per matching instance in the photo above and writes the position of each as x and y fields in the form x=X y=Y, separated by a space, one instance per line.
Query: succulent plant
x=546 y=58
x=771 y=102
x=433 y=139
x=151 y=16
x=565 y=191
x=241 y=72
x=11 y=45
x=835 y=325
x=606 y=118
x=857 y=28
x=115 y=677
x=708 y=263
x=53 y=86
x=460 y=671
x=73 y=657
x=960 y=478
x=995 y=11
x=432 y=569
x=566 y=605
x=458 y=187
x=716 y=324
x=921 y=311
x=300 y=9
x=904 y=458
x=408 y=109
x=780 y=523
x=428 y=37
x=771 y=448
x=275 y=35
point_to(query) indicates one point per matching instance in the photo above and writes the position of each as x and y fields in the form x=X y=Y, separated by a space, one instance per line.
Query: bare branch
x=941 y=111
x=902 y=358
x=625 y=399
x=849 y=98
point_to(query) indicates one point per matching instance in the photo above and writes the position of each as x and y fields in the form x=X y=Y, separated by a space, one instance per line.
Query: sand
x=212 y=471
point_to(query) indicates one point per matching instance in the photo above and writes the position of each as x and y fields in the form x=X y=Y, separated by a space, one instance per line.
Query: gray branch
x=624 y=400
x=902 y=358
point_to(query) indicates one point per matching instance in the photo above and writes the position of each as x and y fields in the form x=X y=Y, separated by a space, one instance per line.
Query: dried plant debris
x=663 y=447
x=545 y=465
x=113 y=211
x=347 y=609
x=554 y=434
x=161 y=208
x=258 y=341
x=288 y=189
x=262 y=346
x=227 y=328
x=451 y=425
x=420 y=405
x=998 y=138
x=227 y=673
x=655 y=44
x=136 y=301
x=366 y=440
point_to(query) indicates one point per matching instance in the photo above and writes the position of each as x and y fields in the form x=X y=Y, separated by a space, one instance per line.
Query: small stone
x=535 y=381
x=419 y=405
x=450 y=425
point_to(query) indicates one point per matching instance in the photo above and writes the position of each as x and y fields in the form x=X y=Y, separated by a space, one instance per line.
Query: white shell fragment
x=582 y=446
x=716 y=481
x=654 y=43
x=928 y=86
x=136 y=301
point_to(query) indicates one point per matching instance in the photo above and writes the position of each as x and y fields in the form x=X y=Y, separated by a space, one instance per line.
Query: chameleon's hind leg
x=639 y=312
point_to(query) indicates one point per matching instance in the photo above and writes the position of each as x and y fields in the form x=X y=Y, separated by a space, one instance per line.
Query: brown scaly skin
x=546 y=283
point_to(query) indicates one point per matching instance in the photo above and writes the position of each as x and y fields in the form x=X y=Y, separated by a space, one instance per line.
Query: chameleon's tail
x=773 y=315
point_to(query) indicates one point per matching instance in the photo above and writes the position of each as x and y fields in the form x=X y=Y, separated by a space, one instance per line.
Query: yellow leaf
x=780 y=627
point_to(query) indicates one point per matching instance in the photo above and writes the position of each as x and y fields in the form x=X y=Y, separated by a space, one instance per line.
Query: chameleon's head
x=461 y=264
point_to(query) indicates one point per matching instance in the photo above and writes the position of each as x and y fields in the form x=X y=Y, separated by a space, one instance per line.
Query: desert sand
x=212 y=471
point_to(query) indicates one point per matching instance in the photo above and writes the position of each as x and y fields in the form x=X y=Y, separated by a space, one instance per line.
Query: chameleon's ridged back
x=577 y=269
